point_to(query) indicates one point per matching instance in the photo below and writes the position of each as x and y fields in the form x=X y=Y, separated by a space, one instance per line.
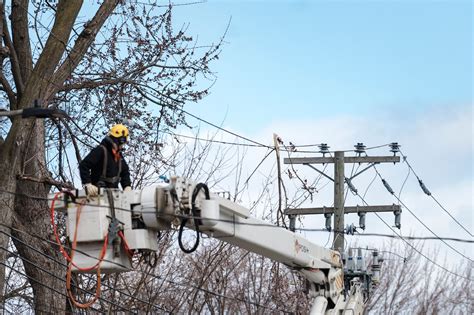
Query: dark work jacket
x=91 y=167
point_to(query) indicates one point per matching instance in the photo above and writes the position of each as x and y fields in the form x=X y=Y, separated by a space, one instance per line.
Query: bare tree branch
x=8 y=89
x=21 y=38
x=52 y=52
x=91 y=84
x=81 y=45
x=15 y=66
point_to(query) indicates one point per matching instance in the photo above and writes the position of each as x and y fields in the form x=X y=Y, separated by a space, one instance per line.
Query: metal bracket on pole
x=320 y=172
x=365 y=169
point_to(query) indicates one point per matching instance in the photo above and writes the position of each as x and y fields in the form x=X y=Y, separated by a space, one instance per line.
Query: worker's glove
x=91 y=190
x=128 y=188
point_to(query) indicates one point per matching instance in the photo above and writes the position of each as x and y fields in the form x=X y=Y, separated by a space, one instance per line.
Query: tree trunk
x=27 y=212
x=33 y=215
x=9 y=153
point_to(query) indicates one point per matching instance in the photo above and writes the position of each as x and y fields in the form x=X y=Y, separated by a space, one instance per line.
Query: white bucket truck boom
x=123 y=222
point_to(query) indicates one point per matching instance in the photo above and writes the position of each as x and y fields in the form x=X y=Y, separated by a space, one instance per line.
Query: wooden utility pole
x=339 y=209
x=339 y=177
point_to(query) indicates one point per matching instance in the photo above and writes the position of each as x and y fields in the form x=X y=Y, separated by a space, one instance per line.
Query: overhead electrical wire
x=413 y=247
x=228 y=297
x=304 y=183
x=403 y=185
x=436 y=237
x=52 y=243
x=212 y=140
x=421 y=238
x=427 y=192
x=63 y=264
x=387 y=186
x=255 y=170
x=395 y=254
x=225 y=130
x=25 y=260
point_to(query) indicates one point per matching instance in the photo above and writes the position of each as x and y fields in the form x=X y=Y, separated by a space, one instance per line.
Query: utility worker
x=105 y=166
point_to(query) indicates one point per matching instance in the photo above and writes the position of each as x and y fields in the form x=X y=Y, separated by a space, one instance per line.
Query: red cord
x=125 y=244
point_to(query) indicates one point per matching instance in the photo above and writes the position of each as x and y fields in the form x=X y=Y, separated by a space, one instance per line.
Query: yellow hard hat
x=118 y=131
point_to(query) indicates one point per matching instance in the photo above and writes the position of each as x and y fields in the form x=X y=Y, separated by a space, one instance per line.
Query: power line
x=46 y=308
x=413 y=247
x=212 y=140
x=393 y=253
x=427 y=192
x=416 y=217
x=53 y=243
x=312 y=230
x=304 y=183
x=225 y=130
x=256 y=168
x=369 y=185
x=419 y=252
x=392 y=236
x=441 y=206
x=258 y=144
x=22 y=303
x=403 y=185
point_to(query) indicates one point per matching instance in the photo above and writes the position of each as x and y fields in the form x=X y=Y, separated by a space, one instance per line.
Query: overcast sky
x=343 y=72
